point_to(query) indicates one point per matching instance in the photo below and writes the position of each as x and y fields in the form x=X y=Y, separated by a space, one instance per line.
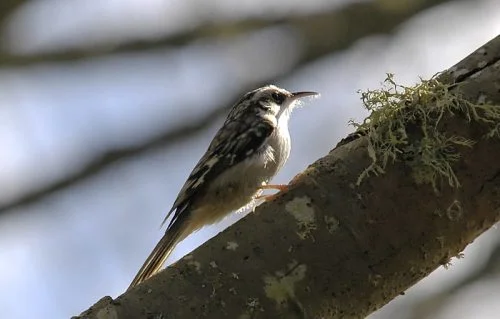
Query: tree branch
x=331 y=249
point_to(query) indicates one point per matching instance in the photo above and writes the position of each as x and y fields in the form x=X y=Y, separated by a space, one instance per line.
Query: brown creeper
x=247 y=151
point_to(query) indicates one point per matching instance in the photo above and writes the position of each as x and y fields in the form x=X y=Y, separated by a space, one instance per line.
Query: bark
x=331 y=249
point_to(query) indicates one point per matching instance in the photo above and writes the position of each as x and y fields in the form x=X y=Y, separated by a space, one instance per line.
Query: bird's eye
x=278 y=97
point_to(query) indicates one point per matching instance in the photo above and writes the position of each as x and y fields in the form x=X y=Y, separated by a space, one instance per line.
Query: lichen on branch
x=405 y=125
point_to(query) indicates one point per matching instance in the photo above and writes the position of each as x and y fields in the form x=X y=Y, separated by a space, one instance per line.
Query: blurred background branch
x=320 y=34
x=8 y=6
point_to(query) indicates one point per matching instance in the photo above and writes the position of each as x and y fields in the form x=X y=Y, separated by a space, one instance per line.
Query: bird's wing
x=234 y=142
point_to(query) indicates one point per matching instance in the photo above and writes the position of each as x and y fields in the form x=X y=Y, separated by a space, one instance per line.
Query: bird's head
x=268 y=101
x=274 y=100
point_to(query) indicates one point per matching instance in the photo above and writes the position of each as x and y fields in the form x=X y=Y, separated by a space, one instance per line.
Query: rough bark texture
x=328 y=248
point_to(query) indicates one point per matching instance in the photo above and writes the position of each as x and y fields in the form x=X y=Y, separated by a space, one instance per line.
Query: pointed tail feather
x=158 y=256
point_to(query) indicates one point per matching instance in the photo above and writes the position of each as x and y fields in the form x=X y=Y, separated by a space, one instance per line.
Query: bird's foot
x=267 y=198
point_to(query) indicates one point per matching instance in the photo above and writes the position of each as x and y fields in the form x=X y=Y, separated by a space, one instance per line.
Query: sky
x=65 y=252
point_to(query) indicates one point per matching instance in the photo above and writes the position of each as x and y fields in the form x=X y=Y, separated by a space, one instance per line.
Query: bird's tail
x=159 y=255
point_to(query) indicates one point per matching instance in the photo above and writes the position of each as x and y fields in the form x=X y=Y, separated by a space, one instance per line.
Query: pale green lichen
x=232 y=245
x=252 y=307
x=448 y=262
x=397 y=110
x=196 y=265
x=302 y=210
x=281 y=287
x=454 y=211
x=332 y=224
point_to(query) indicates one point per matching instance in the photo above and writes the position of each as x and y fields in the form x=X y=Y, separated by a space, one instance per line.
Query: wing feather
x=234 y=142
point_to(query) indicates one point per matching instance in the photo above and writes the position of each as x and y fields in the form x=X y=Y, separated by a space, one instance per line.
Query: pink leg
x=280 y=187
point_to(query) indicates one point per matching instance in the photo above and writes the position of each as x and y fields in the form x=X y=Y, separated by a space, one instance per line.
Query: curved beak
x=291 y=101
x=298 y=95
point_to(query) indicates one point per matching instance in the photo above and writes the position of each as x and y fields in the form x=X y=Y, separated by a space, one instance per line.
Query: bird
x=248 y=150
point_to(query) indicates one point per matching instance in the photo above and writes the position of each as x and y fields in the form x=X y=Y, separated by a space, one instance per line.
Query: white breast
x=238 y=186
x=280 y=144
x=245 y=177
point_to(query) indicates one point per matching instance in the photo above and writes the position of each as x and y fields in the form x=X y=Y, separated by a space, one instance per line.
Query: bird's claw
x=267 y=198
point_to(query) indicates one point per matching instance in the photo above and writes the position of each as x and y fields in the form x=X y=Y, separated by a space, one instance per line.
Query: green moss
x=398 y=111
